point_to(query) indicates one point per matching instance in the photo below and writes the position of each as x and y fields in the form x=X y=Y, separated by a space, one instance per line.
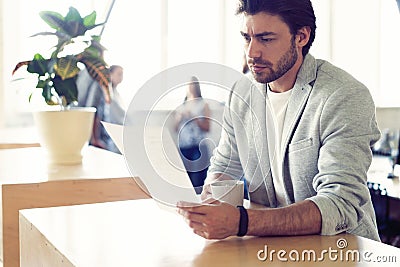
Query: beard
x=284 y=64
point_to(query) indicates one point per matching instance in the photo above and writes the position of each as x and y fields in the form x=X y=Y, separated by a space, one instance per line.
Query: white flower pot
x=64 y=134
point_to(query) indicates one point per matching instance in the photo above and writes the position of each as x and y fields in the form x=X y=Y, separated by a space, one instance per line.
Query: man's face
x=270 y=47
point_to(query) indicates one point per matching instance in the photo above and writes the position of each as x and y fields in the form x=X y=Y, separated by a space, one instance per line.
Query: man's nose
x=253 y=49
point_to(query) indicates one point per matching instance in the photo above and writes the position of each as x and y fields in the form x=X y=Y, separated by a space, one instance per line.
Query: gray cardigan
x=329 y=128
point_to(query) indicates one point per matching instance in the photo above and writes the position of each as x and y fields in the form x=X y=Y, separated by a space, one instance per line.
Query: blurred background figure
x=117 y=108
x=192 y=125
x=91 y=95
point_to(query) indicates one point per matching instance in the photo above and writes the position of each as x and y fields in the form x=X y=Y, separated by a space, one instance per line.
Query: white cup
x=230 y=191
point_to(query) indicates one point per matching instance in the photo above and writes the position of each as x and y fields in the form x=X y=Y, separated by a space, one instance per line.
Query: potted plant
x=68 y=128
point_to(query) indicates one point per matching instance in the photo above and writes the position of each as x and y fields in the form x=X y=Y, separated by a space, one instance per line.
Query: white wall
x=2 y=110
x=362 y=37
x=358 y=35
x=355 y=43
x=388 y=117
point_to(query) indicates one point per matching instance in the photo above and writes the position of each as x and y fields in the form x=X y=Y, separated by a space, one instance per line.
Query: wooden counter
x=28 y=181
x=18 y=137
x=139 y=233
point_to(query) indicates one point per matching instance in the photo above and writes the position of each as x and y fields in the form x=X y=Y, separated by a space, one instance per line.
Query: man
x=300 y=134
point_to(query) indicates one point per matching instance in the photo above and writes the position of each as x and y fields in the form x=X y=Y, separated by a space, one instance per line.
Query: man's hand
x=216 y=220
x=206 y=193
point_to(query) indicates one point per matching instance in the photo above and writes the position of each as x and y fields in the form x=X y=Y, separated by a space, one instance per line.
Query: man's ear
x=303 y=36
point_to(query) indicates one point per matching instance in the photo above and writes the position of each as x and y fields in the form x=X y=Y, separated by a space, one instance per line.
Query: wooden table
x=139 y=233
x=28 y=181
x=18 y=137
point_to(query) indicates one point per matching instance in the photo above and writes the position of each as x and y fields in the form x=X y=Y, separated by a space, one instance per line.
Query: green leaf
x=42 y=84
x=74 y=23
x=66 y=88
x=96 y=38
x=40 y=65
x=38 y=56
x=75 y=28
x=43 y=33
x=95 y=48
x=94 y=26
x=93 y=52
x=73 y=15
x=90 y=20
x=53 y=19
x=67 y=67
x=46 y=93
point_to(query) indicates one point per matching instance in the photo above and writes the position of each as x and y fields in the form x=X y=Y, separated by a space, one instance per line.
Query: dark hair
x=295 y=13
x=195 y=82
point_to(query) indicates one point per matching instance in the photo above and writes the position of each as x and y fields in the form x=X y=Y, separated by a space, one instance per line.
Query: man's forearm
x=301 y=218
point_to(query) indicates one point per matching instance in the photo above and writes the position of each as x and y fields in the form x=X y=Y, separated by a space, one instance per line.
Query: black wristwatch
x=243 y=221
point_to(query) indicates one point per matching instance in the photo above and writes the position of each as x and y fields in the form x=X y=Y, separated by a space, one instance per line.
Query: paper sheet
x=115 y=131
x=154 y=156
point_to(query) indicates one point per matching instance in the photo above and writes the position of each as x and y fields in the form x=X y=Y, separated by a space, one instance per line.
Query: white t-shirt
x=276 y=110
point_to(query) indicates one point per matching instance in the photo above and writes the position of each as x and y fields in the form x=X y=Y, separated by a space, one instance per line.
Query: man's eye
x=246 y=39
x=266 y=40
